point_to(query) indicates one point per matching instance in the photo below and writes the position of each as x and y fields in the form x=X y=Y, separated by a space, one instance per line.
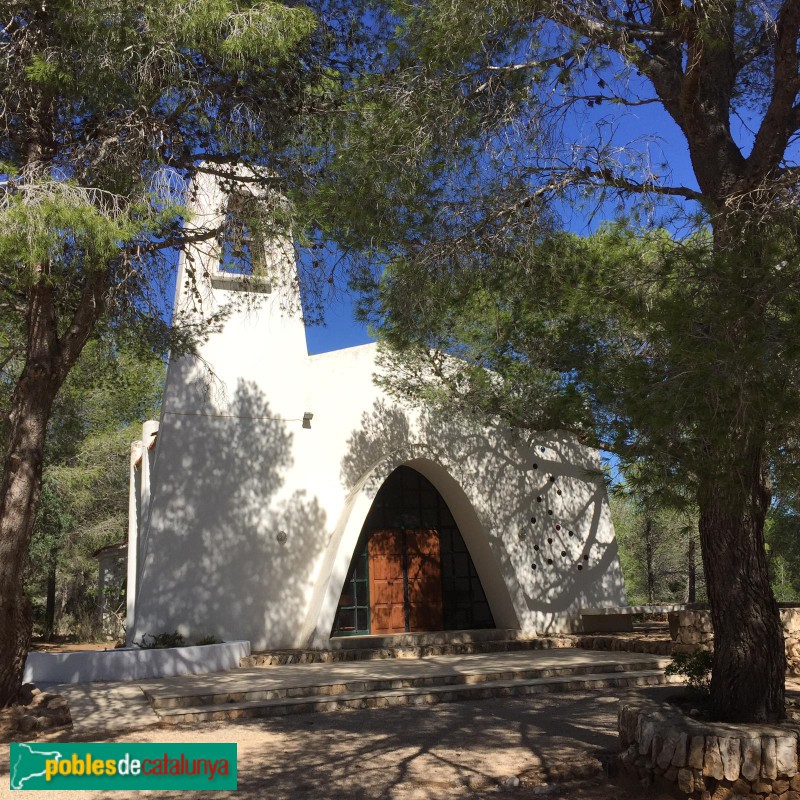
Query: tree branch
x=90 y=308
x=607 y=32
x=658 y=63
x=607 y=178
x=178 y=240
x=780 y=120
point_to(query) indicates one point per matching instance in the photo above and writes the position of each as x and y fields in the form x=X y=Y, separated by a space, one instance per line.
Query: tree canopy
x=617 y=337
x=483 y=131
x=109 y=109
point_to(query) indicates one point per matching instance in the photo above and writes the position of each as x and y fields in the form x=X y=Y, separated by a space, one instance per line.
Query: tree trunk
x=650 y=558
x=19 y=503
x=50 y=608
x=691 y=581
x=48 y=360
x=21 y=482
x=747 y=683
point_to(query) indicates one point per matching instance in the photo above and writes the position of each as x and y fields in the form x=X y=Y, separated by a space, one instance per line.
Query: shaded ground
x=555 y=744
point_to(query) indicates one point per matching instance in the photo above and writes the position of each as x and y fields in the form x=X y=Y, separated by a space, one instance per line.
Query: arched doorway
x=411 y=570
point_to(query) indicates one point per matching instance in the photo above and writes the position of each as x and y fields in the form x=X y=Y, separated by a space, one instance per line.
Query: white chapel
x=284 y=499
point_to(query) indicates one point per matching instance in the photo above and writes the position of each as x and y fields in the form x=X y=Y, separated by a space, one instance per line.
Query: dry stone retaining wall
x=696 y=632
x=624 y=642
x=707 y=761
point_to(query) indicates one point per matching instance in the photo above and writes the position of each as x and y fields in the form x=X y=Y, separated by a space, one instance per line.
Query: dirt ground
x=556 y=745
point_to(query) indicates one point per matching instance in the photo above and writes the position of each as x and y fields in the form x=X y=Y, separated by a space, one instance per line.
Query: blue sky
x=340 y=329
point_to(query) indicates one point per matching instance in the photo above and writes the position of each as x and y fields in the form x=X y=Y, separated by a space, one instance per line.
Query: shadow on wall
x=215 y=559
x=384 y=430
x=556 y=512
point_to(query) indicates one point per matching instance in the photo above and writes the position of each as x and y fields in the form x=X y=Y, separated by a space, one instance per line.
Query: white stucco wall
x=132 y=664
x=234 y=467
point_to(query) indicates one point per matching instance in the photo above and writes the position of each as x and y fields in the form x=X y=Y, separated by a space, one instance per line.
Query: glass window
x=408 y=500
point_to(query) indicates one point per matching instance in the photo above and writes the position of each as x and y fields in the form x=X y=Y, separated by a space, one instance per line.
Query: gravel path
x=554 y=743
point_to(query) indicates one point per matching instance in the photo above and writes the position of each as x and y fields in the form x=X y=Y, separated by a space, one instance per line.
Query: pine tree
x=108 y=111
x=490 y=123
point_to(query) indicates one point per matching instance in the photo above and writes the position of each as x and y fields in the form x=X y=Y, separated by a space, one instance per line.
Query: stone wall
x=694 y=631
x=630 y=642
x=707 y=761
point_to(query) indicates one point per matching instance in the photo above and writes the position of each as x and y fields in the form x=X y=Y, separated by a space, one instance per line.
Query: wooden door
x=424 y=580
x=386 y=582
x=405 y=581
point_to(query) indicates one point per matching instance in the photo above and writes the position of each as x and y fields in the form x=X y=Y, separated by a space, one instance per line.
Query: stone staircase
x=410 y=645
x=629 y=642
x=319 y=687
x=422 y=645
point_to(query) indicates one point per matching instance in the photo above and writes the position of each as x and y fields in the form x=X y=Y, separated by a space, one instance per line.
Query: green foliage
x=84 y=503
x=60 y=231
x=138 y=99
x=209 y=639
x=655 y=550
x=43 y=72
x=267 y=32
x=695 y=667
x=474 y=130
x=161 y=641
x=500 y=330
x=599 y=335
x=668 y=338
x=109 y=110
x=782 y=535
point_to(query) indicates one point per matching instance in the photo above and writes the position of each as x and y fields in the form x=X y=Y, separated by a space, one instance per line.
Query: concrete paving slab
x=103 y=709
x=304 y=675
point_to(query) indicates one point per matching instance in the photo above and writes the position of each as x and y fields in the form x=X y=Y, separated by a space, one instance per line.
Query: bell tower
x=249 y=309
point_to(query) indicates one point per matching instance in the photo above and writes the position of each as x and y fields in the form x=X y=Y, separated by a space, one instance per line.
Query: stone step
x=424 y=639
x=274 y=658
x=624 y=643
x=249 y=689
x=418 y=695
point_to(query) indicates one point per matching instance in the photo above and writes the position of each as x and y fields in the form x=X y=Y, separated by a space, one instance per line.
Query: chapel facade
x=288 y=500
